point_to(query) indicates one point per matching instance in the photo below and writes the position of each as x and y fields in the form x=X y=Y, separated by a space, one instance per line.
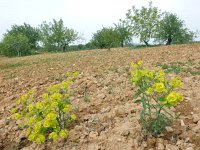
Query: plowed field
x=107 y=117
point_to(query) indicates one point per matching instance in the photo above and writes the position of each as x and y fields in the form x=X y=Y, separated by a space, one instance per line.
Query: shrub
x=156 y=95
x=48 y=117
x=15 y=45
x=106 y=38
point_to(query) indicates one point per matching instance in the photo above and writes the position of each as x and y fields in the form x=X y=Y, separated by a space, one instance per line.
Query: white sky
x=88 y=16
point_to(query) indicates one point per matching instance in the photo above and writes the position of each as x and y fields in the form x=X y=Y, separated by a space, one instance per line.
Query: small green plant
x=48 y=117
x=172 y=68
x=176 y=67
x=156 y=94
x=85 y=96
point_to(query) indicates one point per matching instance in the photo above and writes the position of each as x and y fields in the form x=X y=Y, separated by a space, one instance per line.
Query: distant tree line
x=148 y=24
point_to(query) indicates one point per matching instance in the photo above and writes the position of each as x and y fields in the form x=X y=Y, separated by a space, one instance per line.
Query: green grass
x=177 y=67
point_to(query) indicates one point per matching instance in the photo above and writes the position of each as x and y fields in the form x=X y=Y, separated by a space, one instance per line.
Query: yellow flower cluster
x=50 y=120
x=174 y=98
x=159 y=87
x=175 y=82
x=47 y=117
x=22 y=99
x=154 y=84
x=56 y=135
x=72 y=74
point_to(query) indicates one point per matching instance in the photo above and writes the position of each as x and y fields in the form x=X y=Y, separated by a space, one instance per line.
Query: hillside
x=107 y=117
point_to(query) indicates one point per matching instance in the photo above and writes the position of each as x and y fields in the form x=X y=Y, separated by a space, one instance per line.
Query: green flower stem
x=167 y=112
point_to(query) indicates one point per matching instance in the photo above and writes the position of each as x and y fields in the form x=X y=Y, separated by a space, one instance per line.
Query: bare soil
x=103 y=97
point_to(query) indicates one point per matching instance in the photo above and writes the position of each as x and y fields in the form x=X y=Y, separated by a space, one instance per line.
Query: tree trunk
x=122 y=43
x=146 y=43
x=169 y=41
x=64 y=47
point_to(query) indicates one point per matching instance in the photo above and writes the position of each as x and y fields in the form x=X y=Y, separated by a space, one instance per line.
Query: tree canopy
x=106 y=38
x=15 y=45
x=124 y=32
x=33 y=34
x=171 y=29
x=55 y=34
x=143 y=22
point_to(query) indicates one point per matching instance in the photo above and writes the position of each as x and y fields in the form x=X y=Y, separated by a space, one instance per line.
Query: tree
x=33 y=34
x=56 y=35
x=1 y=48
x=124 y=33
x=15 y=45
x=143 y=22
x=106 y=38
x=171 y=30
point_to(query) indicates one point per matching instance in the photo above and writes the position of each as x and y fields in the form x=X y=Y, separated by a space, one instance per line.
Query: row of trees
x=149 y=24
x=21 y=40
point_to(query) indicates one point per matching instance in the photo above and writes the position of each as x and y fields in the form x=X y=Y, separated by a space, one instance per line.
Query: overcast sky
x=88 y=16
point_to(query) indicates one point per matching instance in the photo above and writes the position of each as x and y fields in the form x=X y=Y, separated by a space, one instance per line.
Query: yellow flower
x=46 y=124
x=161 y=73
x=54 y=88
x=22 y=99
x=28 y=131
x=75 y=74
x=53 y=135
x=40 y=139
x=175 y=82
x=14 y=110
x=30 y=92
x=65 y=84
x=179 y=97
x=161 y=79
x=17 y=115
x=73 y=117
x=63 y=133
x=51 y=116
x=173 y=98
x=150 y=74
x=31 y=121
x=67 y=108
x=31 y=137
x=37 y=126
x=133 y=65
x=159 y=87
x=56 y=97
x=29 y=107
x=68 y=74
x=45 y=96
x=53 y=124
x=39 y=106
x=55 y=104
x=149 y=91
x=140 y=63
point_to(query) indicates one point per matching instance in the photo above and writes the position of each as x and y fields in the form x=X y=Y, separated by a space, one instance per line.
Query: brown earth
x=102 y=94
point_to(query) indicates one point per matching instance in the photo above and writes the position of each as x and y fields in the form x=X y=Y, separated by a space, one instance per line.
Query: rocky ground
x=107 y=117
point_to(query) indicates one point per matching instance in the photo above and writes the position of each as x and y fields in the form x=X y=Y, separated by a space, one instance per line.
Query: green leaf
x=136 y=95
x=162 y=99
x=168 y=105
x=138 y=101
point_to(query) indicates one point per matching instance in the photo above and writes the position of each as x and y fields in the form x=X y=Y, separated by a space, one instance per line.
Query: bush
x=156 y=93
x=106 y=38
x=48 y=117
x=15 y=45
x=172 y=30
x=1 y=48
